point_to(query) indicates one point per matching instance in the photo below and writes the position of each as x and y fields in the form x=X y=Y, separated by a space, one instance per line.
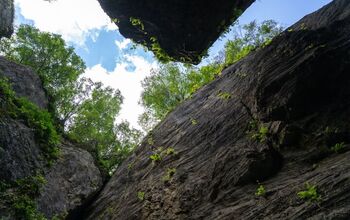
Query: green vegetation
x=194 y=121
x=338 y=147
x=170 y=151
x=141 y=195
x=261 y=134
x=169 y=174
x=155 y=157
x=83 y=110
x=224 y=95
x=310 y=193
x=137 y=22
x=172 y=83
x=36 y=118
x=260 y=191
x=161 y=153
x=19 y=197
x=57 y=65
x=258 y=131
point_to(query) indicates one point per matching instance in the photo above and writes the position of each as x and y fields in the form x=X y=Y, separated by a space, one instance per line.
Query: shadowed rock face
x=6 y=18
x=183 y=29
x=298 y=88
x=70 y=181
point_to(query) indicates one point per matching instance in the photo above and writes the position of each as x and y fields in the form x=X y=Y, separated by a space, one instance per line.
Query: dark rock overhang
x=179 y=30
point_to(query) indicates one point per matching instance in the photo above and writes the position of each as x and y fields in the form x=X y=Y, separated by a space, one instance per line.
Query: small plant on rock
x=155 y=157
x=170 y=151
x=141 y=195
x=260 y=191
x=338 y=147
x=261 y=134
x=169 y=174
x=310 y=193
x=194 y=121
x=224 y=95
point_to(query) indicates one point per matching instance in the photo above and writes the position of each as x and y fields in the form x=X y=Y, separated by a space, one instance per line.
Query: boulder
x=178 y=30
x=288 y=109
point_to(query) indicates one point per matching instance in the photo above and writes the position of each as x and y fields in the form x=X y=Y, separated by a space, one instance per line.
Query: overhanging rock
x=179 y=30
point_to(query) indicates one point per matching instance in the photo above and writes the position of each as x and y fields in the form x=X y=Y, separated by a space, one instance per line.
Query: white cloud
x=129 y=83
x=73 y=19
x=123 y=44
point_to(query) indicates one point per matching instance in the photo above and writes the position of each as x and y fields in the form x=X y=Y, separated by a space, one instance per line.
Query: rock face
x=6 y=18
x=71 y=180
x=24 y=82
x=183 y=29
x=288 y=106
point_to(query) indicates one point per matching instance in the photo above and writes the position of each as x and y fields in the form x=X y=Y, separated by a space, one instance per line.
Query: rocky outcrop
x=181 y=29
x=6 y=18
x=70 y=181
x=24 y=81
x=283 y=122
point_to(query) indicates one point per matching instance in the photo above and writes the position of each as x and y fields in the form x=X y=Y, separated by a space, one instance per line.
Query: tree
x=168 y=86
x=250 y=37
x=86 y=110
x=48 y=55
x=172 y=83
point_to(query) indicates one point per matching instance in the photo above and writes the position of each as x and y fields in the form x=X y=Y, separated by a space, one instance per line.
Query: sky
x=110 y=57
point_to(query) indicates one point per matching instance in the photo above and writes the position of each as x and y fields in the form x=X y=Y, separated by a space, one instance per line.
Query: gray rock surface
x=24 y=82
x=6 y=18
x=298 y=87
x=71 y=180
x=20 y=154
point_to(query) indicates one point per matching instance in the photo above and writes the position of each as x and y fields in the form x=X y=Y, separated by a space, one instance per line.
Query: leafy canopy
x=48 y=55
x=86 y=110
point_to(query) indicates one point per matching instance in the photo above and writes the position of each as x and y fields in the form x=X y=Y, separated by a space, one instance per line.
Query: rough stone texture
x=71 y=180
x=20 y=155
x=184 y=29
x=24 y=81
x=6 y=18
x=299 y=88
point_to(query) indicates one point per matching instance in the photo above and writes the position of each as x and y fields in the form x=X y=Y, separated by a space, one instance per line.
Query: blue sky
x=110 y=57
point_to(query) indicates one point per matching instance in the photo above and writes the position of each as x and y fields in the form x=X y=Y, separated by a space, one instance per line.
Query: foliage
x=249 y=37
x=19 y=197
x=172 y=83
x=168 y=86
x=57 y=64
x=260 y=191
x=310 y=193
x=86 y=110
x=36 y=118
x=137 y=22
x=141 y=195
x=155 y=157
x=94 y=125
x=224 y=95
x=194 y=121
x=169 y=174
x=338 y=147
x=261 y=134
x=170 y=151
